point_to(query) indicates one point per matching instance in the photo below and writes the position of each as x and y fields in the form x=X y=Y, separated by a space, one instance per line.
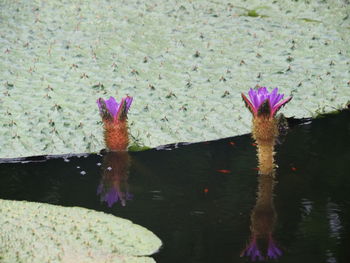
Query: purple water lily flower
x=263 y=102
x=252 y=251
x=273 y=252
x=112 y=110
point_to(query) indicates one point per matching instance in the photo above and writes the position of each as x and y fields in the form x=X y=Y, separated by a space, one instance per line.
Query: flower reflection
x=113 y=195
x=264 y=106
x=273 y=252
x=114 y=185
x=252 y=251
x=262 y=245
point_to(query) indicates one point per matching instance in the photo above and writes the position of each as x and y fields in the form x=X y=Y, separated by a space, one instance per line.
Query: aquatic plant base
x=37 y=232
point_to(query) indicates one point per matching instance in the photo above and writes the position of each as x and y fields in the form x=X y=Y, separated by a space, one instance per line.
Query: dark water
x=199 y=198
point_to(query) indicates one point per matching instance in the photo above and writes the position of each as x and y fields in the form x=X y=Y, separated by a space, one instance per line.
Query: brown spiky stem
x=116 y=134
x=265 y=131
x=266 y=158
x=263 y=216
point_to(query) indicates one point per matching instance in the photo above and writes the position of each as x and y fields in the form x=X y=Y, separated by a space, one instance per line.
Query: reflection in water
x=264 y=106
x=114 y=185
x=263 y=220
x=263 y=217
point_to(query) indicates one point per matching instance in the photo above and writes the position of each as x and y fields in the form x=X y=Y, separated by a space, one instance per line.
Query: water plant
x=114 y=117
x=264 y=106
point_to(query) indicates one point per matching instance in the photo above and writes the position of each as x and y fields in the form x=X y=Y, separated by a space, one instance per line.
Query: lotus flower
x=262 y=102
x=112 y=110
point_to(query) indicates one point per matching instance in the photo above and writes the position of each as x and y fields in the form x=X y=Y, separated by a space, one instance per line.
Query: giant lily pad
x=37 y=232
x=184 y=62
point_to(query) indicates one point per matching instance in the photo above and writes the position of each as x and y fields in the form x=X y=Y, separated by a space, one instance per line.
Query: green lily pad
x=58 y=59
x=310 y=20
x=37 y=232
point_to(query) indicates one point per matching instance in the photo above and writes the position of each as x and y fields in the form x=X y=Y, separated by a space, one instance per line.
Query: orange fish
x=224 y=171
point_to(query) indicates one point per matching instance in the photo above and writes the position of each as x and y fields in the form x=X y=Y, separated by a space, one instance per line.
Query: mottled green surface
x=185 y=63
x=36 y=232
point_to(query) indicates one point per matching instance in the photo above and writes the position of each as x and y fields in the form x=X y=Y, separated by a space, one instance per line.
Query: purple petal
x=279 y=97
x=258 y=97
x=112 y=106
x=273 y=251
x=262 y=95
x=277 y=106
x=111 y=197
x=123 y=108
x=262 y=91
x=253 y=98
x=249 y=104
x=274 y=97
x=99 y=104
x=128 y=100
x=253 y=251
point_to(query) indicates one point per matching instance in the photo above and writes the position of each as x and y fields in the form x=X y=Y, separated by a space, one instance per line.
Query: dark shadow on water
x=198 y=198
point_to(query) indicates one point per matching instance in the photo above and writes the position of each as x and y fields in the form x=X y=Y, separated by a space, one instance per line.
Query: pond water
x=201 y=199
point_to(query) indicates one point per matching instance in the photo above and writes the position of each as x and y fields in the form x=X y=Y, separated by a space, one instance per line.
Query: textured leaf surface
x=184 y=62
x=37 y=232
